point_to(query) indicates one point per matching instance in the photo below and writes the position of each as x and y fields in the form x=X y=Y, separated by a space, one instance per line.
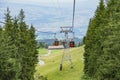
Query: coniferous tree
x=109 y=61
x=9 y=47
x=102 y=44
x=27 y=49
x=93 y=40
x=21 y=45
x=0 y=29
x=32 y=52
x=18 y=49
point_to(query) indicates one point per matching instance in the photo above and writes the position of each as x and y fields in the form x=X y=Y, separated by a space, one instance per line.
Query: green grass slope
x=52 y=64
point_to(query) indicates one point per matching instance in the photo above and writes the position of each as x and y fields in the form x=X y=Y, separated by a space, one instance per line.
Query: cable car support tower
x=66 y=53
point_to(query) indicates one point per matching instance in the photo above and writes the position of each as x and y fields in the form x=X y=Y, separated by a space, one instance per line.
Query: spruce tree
x=109 y=60
x=32 y=52
x=102 y=44
x=22 y=45
x=18 y=49
x=92 y=41
x=0 y=29
x=9 y=47
x=27 y=49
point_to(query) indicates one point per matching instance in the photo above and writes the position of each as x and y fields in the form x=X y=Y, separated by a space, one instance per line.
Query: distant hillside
x=48 y=37
x=47 y=41
x=51 y=41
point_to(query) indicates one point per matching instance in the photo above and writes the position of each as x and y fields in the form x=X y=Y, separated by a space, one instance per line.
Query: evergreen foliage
x=93 y=40
x=42 y=45
x=18 y=49
x=102 y=50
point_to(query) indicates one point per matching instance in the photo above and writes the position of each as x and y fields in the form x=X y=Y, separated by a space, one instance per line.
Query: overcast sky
x=49 y=15
x=43 y=1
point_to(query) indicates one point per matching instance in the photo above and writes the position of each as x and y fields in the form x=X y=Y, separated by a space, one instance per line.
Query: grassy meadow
x=52 y=64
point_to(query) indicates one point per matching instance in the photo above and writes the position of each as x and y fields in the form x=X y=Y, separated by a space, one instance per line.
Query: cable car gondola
x=56 y=43
x=72 y=44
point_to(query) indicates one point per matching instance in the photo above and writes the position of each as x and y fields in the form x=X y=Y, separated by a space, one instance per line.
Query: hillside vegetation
x=102 y=43
x=52 y=63
x=18 y=49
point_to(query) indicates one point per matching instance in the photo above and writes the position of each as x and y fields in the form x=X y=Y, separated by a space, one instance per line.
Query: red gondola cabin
x=56 y=43
x=72 y=44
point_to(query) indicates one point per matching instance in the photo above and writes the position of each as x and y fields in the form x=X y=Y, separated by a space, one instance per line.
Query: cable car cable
x=73 y=14
x=59 y=7
x=2 y=22
x=46 y=32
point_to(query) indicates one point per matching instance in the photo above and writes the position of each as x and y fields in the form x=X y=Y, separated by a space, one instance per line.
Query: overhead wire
x=73 y=14
x=57 y=7
x=2 y=22
x=54 y=7
x=45 y=32
x=60 y=12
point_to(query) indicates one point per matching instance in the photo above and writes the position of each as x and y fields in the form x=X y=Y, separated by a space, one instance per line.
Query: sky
x=50 y=15
x=44 y=1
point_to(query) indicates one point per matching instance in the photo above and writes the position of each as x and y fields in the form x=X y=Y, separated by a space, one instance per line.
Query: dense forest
x=102 y=43
x=18 y=49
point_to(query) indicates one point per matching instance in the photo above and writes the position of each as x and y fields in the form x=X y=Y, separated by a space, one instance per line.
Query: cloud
x=50 y=15
x=56 y=20
x=43 y=1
